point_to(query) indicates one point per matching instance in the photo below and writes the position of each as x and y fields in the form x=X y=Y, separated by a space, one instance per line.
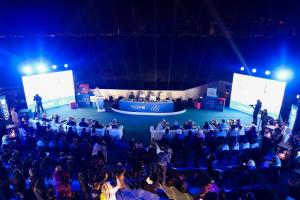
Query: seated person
x=114 y=123
x=200 y=134
x=223 y=146
x=244 y=144
x=207 y=126
x=71 y=121
x=83 y=123
x=175 y=126
x=142 y=96
x=223 y=125
x=188 y=125
x=238 y=122
x=254 y=143
x=162 y=125
x=152 y=98
x=251 y=133
x=235 y=146
x=251 y=165
x=276 y=162
x=97 y=125
x=221 y=133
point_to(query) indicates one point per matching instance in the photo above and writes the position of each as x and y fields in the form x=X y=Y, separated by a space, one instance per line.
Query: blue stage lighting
x=253 y=70
x=27 y=70
x=298 y=96
x=42 y=68
x=54 y=67
x=242 y=68
x=267 y=72
x=66 y=65
x=284 y=74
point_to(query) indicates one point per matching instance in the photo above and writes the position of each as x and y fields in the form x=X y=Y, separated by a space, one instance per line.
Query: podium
x=100 y=104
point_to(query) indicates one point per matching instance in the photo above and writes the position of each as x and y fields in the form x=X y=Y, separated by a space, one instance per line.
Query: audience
x=46 y=164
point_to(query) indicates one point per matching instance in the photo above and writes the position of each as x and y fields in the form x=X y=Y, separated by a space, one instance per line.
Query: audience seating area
x=216 y=160
x=114 y=132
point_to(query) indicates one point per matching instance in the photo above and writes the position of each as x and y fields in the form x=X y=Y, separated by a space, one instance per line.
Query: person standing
x=256 y=111
x=38 y=103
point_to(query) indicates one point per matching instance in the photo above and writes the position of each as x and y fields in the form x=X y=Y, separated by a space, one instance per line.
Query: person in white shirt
x=108 y=191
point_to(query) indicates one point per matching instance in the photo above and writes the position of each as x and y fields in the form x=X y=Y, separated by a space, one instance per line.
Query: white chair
x=116 y=132
x=66 y=128
x=99 y=132
x=174 y=132
x=80 y=128
x=186 y=131
x=156 y=134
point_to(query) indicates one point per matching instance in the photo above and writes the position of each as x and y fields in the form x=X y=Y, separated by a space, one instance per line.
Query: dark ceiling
x=149 y=44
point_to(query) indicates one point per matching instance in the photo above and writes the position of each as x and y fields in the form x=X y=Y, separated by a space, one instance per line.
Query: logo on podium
x=155 y=108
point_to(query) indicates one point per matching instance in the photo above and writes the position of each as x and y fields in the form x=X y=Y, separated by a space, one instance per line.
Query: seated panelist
x=152 y=98
x=142 y=96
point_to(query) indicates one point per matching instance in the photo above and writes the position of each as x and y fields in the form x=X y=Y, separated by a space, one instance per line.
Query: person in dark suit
x=38 y=103
x=256 y=111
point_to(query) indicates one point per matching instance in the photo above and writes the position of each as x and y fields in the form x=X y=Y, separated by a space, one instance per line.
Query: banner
x=84 y=88
x=293 y=116
x=4 y=108
x=83 y=100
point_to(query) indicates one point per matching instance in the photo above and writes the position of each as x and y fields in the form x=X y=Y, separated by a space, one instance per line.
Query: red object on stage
x=223 y=100
x=73 y=105
x=84 y=88
x=197 y=105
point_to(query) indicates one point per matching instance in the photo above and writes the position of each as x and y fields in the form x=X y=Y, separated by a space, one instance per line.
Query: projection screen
x=247 y=89
x=56 y=89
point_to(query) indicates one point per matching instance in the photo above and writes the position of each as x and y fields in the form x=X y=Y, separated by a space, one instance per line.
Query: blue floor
x=137 y=127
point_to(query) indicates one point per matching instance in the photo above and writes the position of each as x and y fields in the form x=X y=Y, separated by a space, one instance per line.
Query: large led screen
x=56 y=89
x=246 y=90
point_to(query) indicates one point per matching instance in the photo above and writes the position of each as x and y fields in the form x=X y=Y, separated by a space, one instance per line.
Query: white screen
x=56 y=89
x=246 y=90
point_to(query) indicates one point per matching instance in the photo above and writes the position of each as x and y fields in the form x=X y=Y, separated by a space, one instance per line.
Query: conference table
x=146 y=106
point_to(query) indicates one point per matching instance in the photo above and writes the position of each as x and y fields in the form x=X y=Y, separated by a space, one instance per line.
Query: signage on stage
x=293 y=116
x=213 y=103
x=151 y=107
x=84 y=88
x=4 y=108
x=83 y=100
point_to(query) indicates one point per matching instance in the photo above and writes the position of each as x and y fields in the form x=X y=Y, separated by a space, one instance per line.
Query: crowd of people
x=43 y=163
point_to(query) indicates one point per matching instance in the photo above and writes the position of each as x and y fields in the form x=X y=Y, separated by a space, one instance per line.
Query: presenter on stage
x=257 y=108
x=38 y=103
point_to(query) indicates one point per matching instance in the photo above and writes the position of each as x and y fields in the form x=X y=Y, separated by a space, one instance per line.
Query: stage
x=137 y=127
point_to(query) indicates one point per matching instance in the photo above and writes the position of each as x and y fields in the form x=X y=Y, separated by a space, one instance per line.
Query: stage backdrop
x=247 y=89
x=56 y=89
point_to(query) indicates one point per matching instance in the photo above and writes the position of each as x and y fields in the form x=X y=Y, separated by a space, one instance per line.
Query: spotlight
x=41 y=68
x=298 y=96
x=54 y=66
x=66 y=65
x=27 y=70
x=284 y=74
x=242 y=68
x=267 y=72
x=253 y=70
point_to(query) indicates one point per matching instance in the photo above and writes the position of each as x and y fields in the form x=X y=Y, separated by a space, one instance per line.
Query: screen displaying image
x=247 y=89
x=56 y=89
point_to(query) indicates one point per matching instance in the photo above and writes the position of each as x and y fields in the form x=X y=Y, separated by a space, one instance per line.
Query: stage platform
x=137 y=127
